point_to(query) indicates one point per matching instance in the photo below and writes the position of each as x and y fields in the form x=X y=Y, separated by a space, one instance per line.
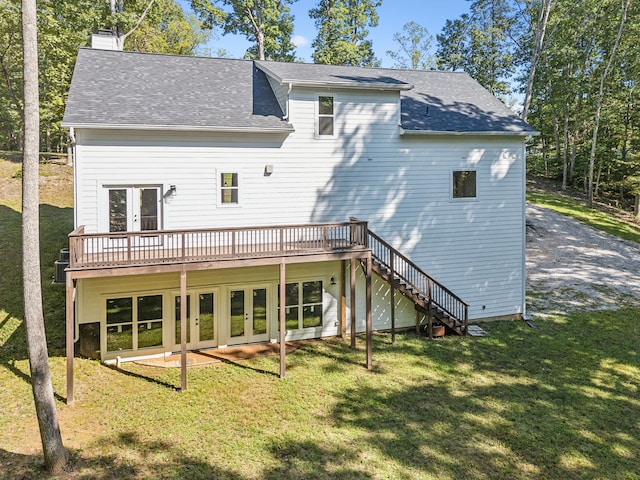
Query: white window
x=229 y=189
x=134 y=322
x=464 y=184
x=303 y=305
x=325 y=116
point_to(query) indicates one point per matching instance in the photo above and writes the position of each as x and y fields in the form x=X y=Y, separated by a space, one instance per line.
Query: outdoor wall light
x=172 y=190
x=332 y=280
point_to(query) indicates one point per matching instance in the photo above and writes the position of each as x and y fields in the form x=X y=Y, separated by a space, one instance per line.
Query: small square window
x=228 y=188
x=325 y=116
x=464 y=184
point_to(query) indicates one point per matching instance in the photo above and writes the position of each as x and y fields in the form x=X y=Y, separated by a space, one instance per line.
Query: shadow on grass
x=155 y=459
x=560 y=402
x=55 y=224
x=305 y=459
x=146 y=378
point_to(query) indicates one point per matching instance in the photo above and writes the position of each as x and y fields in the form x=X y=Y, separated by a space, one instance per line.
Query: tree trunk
x=541 y=28
x=636 y=209
x=603 y=78
x=556 y=135
x=55 y=455
x=565 y=146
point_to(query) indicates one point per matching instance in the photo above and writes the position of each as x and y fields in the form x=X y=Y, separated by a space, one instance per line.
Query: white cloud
x=299 y=41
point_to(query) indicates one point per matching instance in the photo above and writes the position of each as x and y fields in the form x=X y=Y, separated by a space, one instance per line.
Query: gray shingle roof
x=301 y=74
x=114 y=88
x=454 y=101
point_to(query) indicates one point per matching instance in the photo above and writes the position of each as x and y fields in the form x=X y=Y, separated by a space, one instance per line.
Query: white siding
x=401 y=185
x=93 y=293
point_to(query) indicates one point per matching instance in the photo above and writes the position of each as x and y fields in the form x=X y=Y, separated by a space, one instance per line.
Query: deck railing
x=102 y=250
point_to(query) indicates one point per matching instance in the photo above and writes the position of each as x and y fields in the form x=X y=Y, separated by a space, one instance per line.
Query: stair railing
x=433 y=292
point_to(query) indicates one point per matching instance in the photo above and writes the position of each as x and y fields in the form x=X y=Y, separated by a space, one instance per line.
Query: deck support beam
x=343 y=299
x=352 y=299
x=392 y=294
x=369 y=320
x=69 y=336
x=282 y=318
x=183 y=330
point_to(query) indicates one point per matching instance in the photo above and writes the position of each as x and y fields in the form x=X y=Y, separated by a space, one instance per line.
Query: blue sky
x=393 y=14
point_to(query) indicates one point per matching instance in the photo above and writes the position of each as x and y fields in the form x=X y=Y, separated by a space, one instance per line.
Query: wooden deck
x=166 y=247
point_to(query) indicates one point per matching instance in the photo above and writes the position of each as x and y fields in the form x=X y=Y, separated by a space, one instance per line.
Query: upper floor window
x=325 y=116
x=464 y=184
x=229 y=188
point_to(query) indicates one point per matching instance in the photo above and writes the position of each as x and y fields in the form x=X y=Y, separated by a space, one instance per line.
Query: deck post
x=69 y=336
x=183 y=330
x=352 y=278
x=369 y=321
x=393 y=299
x=282 y=317
x=343 y=299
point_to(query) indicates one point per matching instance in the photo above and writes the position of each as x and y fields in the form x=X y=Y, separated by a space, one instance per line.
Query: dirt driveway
x=571 y=266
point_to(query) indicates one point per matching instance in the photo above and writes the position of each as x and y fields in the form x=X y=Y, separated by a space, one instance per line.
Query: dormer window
x=325 y=116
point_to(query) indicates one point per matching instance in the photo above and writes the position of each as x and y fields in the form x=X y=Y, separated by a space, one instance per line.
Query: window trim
x=452 y=196
x=220 y=188
x=133 y=206
x=318 y=115
x=301 y=304
x=135 y=322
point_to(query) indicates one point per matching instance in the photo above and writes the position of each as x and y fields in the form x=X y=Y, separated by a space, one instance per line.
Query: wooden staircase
x=436 y=303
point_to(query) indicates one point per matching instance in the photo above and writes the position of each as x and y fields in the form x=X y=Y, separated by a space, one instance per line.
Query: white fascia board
x=181 y=128
x=500 y=133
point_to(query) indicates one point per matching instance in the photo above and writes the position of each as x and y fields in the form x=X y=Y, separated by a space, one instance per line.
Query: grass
x=557 y=402
x=576 y=209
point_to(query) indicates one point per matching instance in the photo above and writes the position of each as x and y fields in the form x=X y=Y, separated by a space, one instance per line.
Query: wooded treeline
x=572 y=67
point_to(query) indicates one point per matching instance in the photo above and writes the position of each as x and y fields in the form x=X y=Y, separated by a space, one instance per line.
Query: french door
x=201 y=320
x=248 y=320
x=134 y=208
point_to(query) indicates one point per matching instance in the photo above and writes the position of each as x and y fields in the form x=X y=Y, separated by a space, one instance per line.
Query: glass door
x=248 y=315
x=201 y=326
x=134 y=208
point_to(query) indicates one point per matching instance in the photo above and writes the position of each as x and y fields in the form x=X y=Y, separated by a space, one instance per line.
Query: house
x=208 y=189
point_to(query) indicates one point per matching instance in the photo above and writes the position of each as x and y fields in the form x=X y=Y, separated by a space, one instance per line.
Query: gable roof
x=115 y=89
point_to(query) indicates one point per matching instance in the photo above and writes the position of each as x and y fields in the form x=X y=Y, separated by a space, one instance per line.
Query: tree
x=481 y=44
x=55 y=455
x=342 y=32
x=267 y=23
x=414 y=48
x=623 y=17
x=544 y=7
x=168 y=29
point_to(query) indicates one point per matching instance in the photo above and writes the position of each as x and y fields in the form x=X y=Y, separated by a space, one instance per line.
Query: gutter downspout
x=286 y=113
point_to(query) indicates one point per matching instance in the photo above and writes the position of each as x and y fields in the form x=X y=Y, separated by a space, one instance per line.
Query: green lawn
x=578 y=210
x=558 y=402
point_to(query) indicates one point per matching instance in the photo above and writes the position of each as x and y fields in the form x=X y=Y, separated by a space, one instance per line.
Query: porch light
x=172 y=190
x=332 y=280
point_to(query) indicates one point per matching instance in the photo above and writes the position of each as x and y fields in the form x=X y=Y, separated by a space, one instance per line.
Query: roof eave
x=350 y=86
x=317 y=84
x=522 y=133
x=182 y=128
